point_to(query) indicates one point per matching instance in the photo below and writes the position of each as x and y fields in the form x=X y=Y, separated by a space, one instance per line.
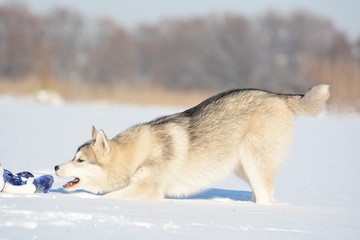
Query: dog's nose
x=56 y=167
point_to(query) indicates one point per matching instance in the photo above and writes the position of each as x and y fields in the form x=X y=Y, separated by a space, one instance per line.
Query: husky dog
x=246 y=131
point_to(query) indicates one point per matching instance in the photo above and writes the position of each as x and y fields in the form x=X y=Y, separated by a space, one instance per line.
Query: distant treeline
x=274 y=51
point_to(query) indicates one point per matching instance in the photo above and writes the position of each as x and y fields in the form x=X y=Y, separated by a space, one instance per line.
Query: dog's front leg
x=139 y=190
x=118 y=194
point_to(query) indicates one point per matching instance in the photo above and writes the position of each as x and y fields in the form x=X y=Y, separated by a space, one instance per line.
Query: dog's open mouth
x=72 y=183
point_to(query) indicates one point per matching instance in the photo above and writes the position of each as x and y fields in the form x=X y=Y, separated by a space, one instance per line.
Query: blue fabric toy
x=24 y=182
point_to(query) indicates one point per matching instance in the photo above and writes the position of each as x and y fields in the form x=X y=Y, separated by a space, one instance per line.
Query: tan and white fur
x=246 y=131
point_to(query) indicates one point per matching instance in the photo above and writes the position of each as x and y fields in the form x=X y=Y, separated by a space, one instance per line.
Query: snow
x=317 y=190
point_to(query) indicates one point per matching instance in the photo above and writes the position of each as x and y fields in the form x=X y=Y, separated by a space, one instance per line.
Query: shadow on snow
x=212 y=193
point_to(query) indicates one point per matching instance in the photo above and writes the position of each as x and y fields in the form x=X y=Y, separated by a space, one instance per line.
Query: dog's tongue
x=71 y=183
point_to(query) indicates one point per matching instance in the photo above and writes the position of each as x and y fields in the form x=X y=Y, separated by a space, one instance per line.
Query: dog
x=245 y=131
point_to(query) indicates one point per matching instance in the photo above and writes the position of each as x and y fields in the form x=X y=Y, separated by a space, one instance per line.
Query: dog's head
x=88 y=165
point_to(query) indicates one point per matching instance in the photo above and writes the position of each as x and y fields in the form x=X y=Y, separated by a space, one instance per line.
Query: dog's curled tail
x=312 y=102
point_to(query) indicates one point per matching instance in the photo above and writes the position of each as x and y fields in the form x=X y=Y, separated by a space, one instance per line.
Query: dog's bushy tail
x=312 y=102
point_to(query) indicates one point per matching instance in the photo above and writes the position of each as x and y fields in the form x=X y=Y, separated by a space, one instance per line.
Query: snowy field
x=317 y=191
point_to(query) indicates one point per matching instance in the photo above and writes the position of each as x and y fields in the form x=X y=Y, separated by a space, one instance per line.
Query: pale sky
x=344 y=13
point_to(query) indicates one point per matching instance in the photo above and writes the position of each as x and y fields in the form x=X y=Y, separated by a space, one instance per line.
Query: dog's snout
x=56 y=167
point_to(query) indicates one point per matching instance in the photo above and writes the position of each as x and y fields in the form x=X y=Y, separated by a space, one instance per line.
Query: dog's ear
x=101 y=142
x=93 y=132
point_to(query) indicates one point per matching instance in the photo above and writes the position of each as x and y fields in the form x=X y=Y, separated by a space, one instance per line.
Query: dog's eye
x=80 y=160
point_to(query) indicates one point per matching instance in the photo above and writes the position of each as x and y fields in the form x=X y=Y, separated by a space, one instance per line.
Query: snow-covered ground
x=317 y=190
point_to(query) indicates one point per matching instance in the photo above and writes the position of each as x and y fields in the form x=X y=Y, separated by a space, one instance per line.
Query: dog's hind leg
x=263 y=147
x=258 y=164
x=260 y=181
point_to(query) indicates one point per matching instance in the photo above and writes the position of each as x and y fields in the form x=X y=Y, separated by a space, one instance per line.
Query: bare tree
x=65 y=43
x=20 y=41
x=273 y=51
x=111 y=58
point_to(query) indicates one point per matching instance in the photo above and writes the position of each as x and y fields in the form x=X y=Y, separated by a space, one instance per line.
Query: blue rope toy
x=24 y=182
